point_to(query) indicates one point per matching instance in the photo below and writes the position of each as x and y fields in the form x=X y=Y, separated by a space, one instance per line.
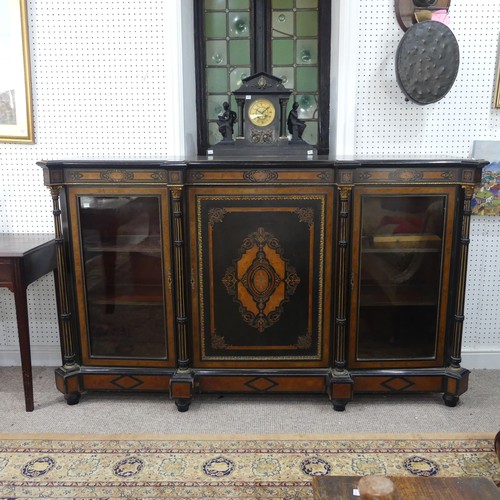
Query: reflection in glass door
x=401 y=240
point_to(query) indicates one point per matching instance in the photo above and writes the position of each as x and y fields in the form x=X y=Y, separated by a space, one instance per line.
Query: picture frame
x=16 y=114
x=486 y=197
x=496 y=100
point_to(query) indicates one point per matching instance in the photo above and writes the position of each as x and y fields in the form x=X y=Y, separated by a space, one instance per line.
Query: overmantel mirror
x=289 y=39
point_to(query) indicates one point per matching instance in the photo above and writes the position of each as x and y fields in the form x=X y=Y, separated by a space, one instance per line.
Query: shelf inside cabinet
x=129 y=295
x=402 y=242
x=138 y=244
x=397 y=295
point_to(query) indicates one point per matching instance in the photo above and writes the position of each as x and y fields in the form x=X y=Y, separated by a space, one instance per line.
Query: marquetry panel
x=266 y=175
x=261 y=270
x=398 y=383
x=262 y=384
x=413 y=175
x=115 y=176
x=120 y=382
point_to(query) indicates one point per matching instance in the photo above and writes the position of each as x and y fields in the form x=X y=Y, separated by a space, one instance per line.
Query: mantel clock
x=262 y=103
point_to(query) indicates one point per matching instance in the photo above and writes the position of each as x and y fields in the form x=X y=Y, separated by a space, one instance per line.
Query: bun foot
x=73 y=398
x=450 y=400
x=182 y=404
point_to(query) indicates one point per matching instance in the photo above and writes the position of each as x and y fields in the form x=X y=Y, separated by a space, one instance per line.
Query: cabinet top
x=264 y=170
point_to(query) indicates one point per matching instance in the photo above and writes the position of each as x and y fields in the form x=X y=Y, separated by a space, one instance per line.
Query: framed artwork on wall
x=486 y=198
x=16 y=115
x=496 y=102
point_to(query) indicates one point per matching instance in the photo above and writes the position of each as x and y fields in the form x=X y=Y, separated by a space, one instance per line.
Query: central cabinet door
x=261 y=276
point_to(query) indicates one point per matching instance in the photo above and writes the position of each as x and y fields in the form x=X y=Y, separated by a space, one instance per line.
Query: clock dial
x=261 y=112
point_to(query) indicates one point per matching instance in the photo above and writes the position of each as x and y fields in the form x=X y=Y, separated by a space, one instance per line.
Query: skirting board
x=51 y=356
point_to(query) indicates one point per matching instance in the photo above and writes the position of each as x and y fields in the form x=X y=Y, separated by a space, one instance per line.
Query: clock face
x=261 y=112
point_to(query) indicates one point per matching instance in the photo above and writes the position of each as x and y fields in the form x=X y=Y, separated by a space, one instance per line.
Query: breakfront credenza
x=269 y=275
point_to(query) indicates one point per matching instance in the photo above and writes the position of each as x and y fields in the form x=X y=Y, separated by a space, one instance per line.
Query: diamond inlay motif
x=261 y=384
x=126 y=382
x=398 y=384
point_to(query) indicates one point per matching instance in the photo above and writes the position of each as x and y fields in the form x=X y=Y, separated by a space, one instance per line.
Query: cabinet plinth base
x=181 y=389
x=341 y=387
x=69 y=383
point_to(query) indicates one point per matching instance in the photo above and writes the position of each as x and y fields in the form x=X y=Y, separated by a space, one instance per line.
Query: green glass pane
x=239 y=52
x=282 y=4
x=307 y=79
x=310 y=134
x=215 y=4
x=307 y=52
x=239 y=4
x=286 y=75
x=217 y=80
x=236 y=76
x=308 y=106
x=282 y=24
x=214 y=105
x=216 y=53
x=307 y=4
x=239 y=24
x=215 y=25
x=307 y=24
x=282 y=52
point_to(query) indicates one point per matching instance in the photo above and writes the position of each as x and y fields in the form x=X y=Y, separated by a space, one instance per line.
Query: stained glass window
x=237 y=38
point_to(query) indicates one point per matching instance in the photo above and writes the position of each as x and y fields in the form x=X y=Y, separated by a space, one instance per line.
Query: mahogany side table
x=24 y=258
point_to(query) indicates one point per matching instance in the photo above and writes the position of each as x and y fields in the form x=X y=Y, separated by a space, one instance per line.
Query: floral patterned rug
x=219 y=467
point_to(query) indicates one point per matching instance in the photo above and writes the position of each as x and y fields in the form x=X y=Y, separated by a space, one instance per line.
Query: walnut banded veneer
x=277 y=275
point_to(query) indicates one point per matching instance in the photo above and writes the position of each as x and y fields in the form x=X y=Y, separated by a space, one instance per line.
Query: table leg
x=24 y=344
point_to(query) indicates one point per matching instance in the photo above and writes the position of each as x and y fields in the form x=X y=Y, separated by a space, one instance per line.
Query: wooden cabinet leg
x=72 y=398
x=183 y=404
x=455 y=384
x=450 y=400
x=181 y=389
x=341 y=389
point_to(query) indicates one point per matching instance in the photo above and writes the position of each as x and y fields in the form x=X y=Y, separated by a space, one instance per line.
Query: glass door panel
x=122 y=270
x=401 y=242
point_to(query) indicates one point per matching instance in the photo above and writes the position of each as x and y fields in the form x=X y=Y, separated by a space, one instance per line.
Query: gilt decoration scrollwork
x=304 y=341
x=261 y=281
x=306 y=214
x=260 y=175
x=406 y=175
x=117 y=175
x=216 y=215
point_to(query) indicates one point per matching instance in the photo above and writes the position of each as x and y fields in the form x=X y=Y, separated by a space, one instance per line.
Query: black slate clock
x=261 y=120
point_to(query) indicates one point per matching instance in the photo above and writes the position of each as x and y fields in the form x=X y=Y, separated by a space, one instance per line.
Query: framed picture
x=496 y=102
x=486 y=198
x=16 y=117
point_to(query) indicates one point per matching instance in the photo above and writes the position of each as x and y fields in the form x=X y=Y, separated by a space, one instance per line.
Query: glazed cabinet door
x=261 y=276
x=121 y=246
x=402 y=243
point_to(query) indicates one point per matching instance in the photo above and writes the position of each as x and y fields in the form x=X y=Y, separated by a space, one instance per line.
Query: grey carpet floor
x=113 y=413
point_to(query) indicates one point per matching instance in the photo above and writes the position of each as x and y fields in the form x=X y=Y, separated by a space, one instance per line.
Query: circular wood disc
x=427 y=62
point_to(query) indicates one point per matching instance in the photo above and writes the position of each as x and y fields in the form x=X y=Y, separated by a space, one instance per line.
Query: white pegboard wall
x=388 y=125
x=482 y=307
